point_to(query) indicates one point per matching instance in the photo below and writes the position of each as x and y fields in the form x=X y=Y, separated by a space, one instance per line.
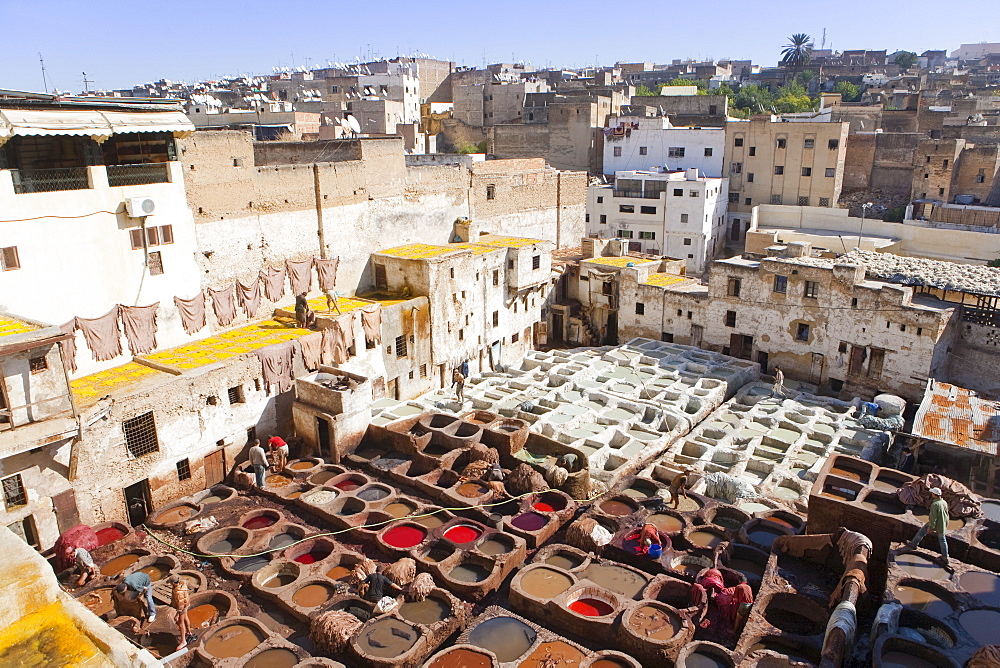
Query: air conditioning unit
x=140 y=207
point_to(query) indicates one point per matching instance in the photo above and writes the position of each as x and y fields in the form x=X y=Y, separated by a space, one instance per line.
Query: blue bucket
x=655 y=551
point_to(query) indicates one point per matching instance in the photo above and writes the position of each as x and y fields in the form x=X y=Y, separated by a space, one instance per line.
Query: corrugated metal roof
x=956 y=416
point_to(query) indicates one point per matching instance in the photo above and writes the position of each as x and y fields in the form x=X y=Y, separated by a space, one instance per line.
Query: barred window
x=13 y=492
x=37 y=364
x=184 y=470
x=536 y=261
x=400 y=346
x=423 y=370
x=140 y=435
x=235 y=395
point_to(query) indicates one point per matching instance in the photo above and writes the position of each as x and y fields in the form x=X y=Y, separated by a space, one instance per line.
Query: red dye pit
x=404 y=537
x=347 y=485
x=544 y=507
x=462 y=534
x=108 y=535
x=259 y=522
x=590 y=607
x=312 y=557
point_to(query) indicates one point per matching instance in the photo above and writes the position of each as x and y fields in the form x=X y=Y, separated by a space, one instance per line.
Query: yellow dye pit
x=49 y=638
x=618 y=261
x=418 y=251
x=10 y=326
x=662 y=280
x=507 y=242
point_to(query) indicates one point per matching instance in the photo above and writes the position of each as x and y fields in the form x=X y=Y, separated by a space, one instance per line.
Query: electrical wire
x=86 y=215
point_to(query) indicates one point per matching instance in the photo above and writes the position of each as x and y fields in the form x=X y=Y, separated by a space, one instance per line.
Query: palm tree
x=797 y=52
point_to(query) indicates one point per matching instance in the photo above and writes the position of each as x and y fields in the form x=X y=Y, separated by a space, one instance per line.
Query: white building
x=637 y=142
x=676 y=214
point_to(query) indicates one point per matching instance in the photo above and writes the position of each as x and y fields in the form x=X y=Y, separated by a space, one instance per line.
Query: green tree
x=646 y=91
x=848 y=91
x=905 y=59
x=753 y=99
x=797 y=53
x=792 y=98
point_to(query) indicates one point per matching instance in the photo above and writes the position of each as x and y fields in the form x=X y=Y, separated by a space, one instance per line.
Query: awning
x=122 y=122
x=89 y=123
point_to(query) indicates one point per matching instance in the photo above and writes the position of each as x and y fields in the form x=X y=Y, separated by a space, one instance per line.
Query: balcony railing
x=137 y=175
x=638 y=194
x=49 y=180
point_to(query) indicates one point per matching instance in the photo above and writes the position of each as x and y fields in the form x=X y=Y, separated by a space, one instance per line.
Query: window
x=752 y=151
x=802 y=332
x=749 y=178
x=13 y=492
x=675 y=152
x=666 y=337
x=684 y=218
x=780 y=284
x=640 y=308
x=586 y=217
x=738 y=141
x=647 y=209
x=184 y=470
x=9 y=259
x=618 y=151
x=775 y=199
x=642 y=150
x=140 y=435
x=811 y=290
x=854 y=304
x=461 y=333
x=678 y=192
x=734 y=198
x=235 y=395
x=736 y=168
x=496 y=318
x=713 y=110
x=781 y=142
x=803 y=201
x=155 y=236
x=381 y=281
x=334 y=89
x=734 y=287
x=708 y=153
x=608 y=288
x=647 y=235
x=779 y=169
x=410 y=375
x=687 y=242
x=807 y=171
x=824 y=201
x=980 y=178
x=692 y=193
x=809 y=143
x=37 y=364
x=625 y=234
x=830 y=172
x=604 y=219
x=945 y=165
x=748 y=200
x=833 y=144
x=155 y=263
x=515 y=337
x=26 y=530
x=730 y=318
x=600 y=200
x=423 y=370
x=536 y=261
x=626 y=208
x=491 y=191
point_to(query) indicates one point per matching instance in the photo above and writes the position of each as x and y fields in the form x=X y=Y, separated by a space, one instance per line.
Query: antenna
x=44 y=82
x=822 y=44
x=86 y=83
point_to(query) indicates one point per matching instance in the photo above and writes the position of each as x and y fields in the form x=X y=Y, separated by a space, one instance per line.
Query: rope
x=339 y=531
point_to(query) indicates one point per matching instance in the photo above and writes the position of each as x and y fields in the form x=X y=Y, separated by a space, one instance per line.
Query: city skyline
x=222 y=42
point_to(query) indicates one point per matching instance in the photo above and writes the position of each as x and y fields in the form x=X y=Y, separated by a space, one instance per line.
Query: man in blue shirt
x=140 y=583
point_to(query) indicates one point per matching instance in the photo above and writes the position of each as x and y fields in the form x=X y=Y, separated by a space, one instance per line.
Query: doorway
x=740 y=346
x=696 y=334
x=137 y=502
x=612 y=335
x=215 y=467
x=557 y=327
x=67 y=514
x=323 y=437
x=762 y=361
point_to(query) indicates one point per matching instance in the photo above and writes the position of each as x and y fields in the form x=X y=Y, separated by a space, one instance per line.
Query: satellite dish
x=344 y=125
x=352 y=122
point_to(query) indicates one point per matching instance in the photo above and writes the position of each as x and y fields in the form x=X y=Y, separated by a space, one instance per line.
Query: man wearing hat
x=937 y=523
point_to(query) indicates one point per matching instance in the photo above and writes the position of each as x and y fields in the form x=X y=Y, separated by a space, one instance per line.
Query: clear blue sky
x=120 y=43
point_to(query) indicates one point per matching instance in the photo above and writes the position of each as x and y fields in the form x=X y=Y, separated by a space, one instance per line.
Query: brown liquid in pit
x=699 y=660
x=462 y=658
x=471 y=490
x=608 y=663
x=119 y=564
x=494 y=547
x=903 y=660
x=654 y=623
x=428 y=611
x=922 y=567
x=617 y=579
x=233 y=641
x=312 y=595
x=924 y=601
x=845 y=473
x=557 y=654
x=398 y=510
x=211 y=499
x=984 y=586
x=301 y=466
x=617 y=508
x=339 y=573
x=387 y=638
x=882 y=506
x=430 y=522
x=277 y=480
x=173 y=515
x=99 y=601
x=155 y=571
x=686 y=504
x=280 y=580
x=705 y=539
x=564 y=560
x=276 y=657
x=545 y=583
x=203 y=615
x=666 y=523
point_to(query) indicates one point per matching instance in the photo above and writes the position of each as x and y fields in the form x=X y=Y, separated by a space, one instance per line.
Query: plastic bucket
x=655 y=551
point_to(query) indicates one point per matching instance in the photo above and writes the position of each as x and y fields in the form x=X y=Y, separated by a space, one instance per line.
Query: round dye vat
x=373 y=494
x=566 y=560
x=774 y=519
x=926 y=602
x=706 y=539
x=991 y=509
x=301 y=466
x=545 y=583
x=763 y=536
x=529 y=522
x=469 y=573
x=494 y=547
x=471 y=490
x=312 y=595
x=462 y=658
x=591 y=607
x=751 y=507
x=119 y=564
x=156 y=572
x=655 y=623
x=427 y=612
x=430 y=521
x=174 y=515
x=462 y=533
x=904 y=660
x=921 y=567
x=321 y=477
x=543 y=507
x=233 y=641
x=617 y=508
x=617 y=579
x=280 y=580
x=399 y=509
x=787 y=493
x=203 y=616
x=984 y=586
x=387 y=638
x=982 y=625
x=259 y=522
x=316 y=554
x=665 y=523
x=506 y=637
x=556 y=653
x=702 y=660
x=276 y=657
x=250 y=564
x=348 y=486
x=282 y=540
x=609 y=663
x=752 y=570
x=404 y=537
x=730 y=523
x=226 y=546
x=99 y=601
x=687 y=504
x=109 y=535
x=277 y=480
x=339 y=573
x=210 y=499
x=882 y=505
